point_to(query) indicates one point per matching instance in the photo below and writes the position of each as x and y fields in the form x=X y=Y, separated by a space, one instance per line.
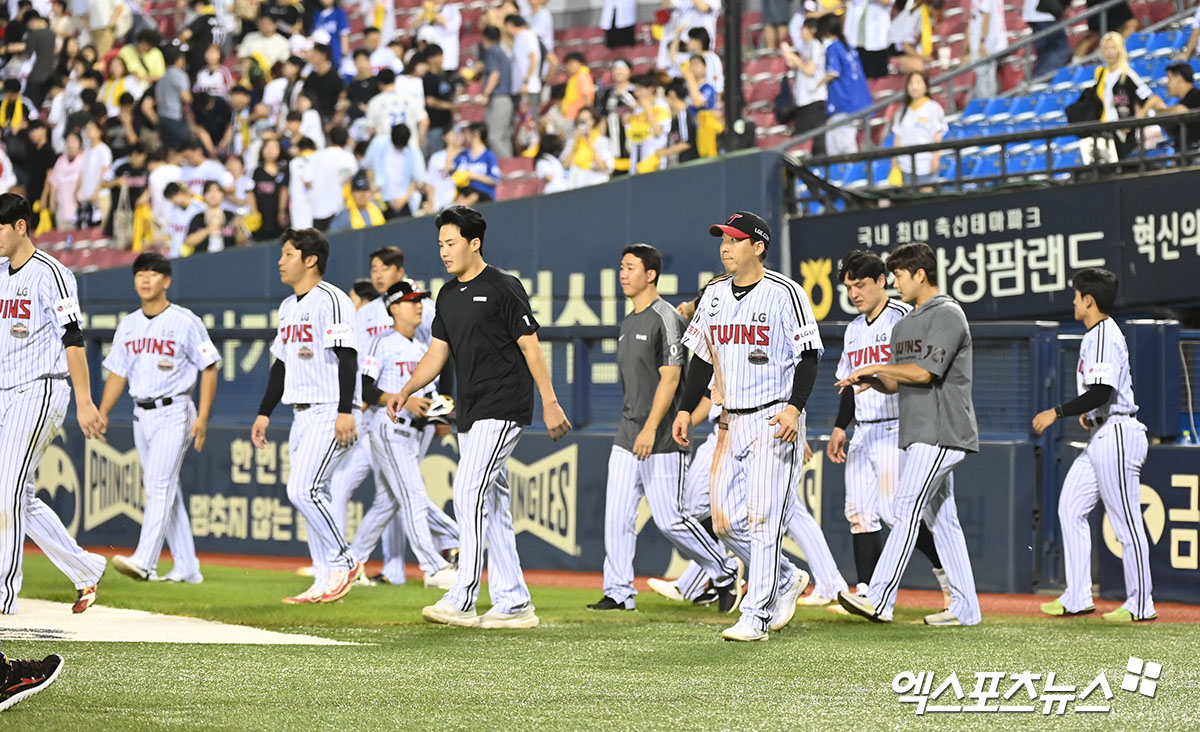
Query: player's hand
x=395 y=403
x=863 y=379
x=418 y=405
x=686 y=309
x=556 y=420
x=258 y=431
x=199 y=433
x=679 y=429
x=836 y=449
x=91 y=423
x=1043 y=420
x=808 y=453
x=1084 y=422
x=789 y=424
x=643 y=445
x=441 y=430
x=344 y=430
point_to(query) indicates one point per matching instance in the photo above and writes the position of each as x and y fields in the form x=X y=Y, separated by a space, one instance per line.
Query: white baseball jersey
x=755 y=342
x=373 y=320
x=161 y=356
x=310 y=327
x=195 y=176
x=37 y=301
x=1104 y=359
x=869 y=343
x=391 y=361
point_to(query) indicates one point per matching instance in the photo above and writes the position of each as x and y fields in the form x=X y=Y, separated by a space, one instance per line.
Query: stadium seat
x=1023 y=108
x=1062 y=79
x=1037 y=162
x=1065 y=160
x=1135 y=46
x=856 y=175
x=986 y=166
x=516 y=167
x=948 y=168
x=974 y=110
x=997 y=110
x=880 y=170
x=1165 y=44
x=1065 y=143
x=765 y=67
x=1143 y=66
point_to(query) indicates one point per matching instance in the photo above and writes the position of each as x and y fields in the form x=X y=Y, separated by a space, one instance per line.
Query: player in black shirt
x=484 y=320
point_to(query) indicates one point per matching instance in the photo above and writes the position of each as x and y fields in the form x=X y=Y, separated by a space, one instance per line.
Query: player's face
x=291 y=265
x=634 y=276
x=865 y=293
x=383 y=275
x=737 y=254
x=150 y=285
x=906 y=286
x=1080 y=306
x=458 y=254
x=10 y=238
x=408 y=312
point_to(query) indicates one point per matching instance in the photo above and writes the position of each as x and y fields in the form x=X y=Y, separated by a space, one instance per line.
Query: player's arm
x=700 y=413
x=270 y=400
x=803 y=378
x=836 y=448
x=208 y=392
x=427 y=370
x=552 y=412
x=699 y=376
x=90 y=421
x=114 y=387
x=888 y=378
x=664 y=394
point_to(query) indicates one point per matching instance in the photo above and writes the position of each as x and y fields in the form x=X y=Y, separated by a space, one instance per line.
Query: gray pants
x=499 y=118
x=986 y=84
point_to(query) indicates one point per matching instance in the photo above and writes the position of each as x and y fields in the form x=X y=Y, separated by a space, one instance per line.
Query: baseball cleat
x=707 y=597
x=309 y=597
x=666 y=588
x=340 y=582
x=84 y=599
x=381 y=579
x=308 y=571
x=130 y=568
x=1057 y=609
x=942 y=619
x=815 y=598
x=743 y=631
x=836 y=609
x=443 y=579
x=861 y=606
x=944 y=585
x=181 y=578
x=22 y=679
x=451 y=557
x=364 y=581
x=607 y=603
x=785 y=605
x=1121 y=615
x=523 y=618
x=443 y=613
x=729 y=597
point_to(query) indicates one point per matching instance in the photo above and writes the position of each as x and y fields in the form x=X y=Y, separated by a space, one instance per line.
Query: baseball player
x=160 y=351
x=1110 y=468
x=484 y=321
x=873 y=456
x=755 y=338
x=930 y=369
x=41 y=346
x=396 y=448
x=316 y=372
x=644 y=459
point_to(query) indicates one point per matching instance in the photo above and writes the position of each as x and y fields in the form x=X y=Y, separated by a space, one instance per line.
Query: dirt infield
x=992 y=604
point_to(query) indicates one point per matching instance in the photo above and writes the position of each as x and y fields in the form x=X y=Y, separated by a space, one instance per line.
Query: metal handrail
x=948 y=76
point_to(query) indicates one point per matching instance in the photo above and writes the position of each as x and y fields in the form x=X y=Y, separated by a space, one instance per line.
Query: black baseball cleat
x=607 y=603
x=23 y=679
x=708 y=597
x=729 y=598
x=381 y=579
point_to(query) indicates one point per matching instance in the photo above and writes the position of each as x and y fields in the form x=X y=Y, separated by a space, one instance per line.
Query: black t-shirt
x=136 y=178
x=325 y=89
x=117 y=138
x=206 y=30
x=362 y=91
x=199 y=222
x=216 y=119
x=285 y=15
x=266 y=198
x=481 y=320
x=683 y=129
x=1191 y=100
x=40 y=44
x=439 y=86
x=36 y=163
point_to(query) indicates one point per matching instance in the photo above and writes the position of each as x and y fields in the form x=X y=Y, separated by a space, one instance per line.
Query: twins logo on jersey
x=296 y=333
x=158 y=346
x=17 y=310
x=869 y=356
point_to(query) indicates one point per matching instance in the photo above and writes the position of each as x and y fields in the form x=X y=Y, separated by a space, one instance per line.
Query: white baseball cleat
x=443 y=579
x=364 y=581
x=743 y=631
x=666 y=588
x=309 y=597
x=814 y=598
x=861 y=606
x=943 y=619
x=181 y=578
x=785 y=605
x=523 y=618
x=130 y=568
x=443 y=613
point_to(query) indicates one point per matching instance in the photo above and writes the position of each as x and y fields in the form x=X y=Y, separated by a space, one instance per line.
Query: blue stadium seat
x=1135 y=47
x=959 y=132
x=1064 y=160
x=1037 y=162
x=880 y=169
x=1050 y=107
x=836 y=173
x=1165 y=44
x=986 y=166
x=1143 y=66
x=1196 y=65
x=1022 y=145
x=1065 y=143
x=997 y=110
x=948 y=167
x=1158 y=72
x=1160 y=151
x=1062 y=79
x=1023 y=108
x=1018 y=164
x=1083 y=76
x=974 y=110
x=856 y=175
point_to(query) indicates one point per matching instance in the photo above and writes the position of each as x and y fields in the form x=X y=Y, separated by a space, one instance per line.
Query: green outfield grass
x=662 y=667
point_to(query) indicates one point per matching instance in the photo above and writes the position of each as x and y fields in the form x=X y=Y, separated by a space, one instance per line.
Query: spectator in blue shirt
x=332 y=19
x=847 y=86
x=479 y=166
x=701 y=94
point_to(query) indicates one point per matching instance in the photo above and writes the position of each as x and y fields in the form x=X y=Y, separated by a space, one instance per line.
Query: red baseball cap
x=744 y=225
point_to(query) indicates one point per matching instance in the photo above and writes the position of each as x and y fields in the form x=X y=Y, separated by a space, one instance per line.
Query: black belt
x=877 y=421
x=155 y=403
x=1102 y=419
x=301 y=407
x=416 y=423
x=758 y=408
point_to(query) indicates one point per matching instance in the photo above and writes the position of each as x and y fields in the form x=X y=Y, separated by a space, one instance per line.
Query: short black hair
x=371 y=30
x=306 y=143
x=213 y=184
x=677 y=87
x=137 y=148
x=311 y=243
x=389 y=256
x=364 y=289
x=386 y=76
x=171 y=56
x=172 y=189
x=517 y=20
x=149 y=35
x=126 y=98
x=651 y=258
x=338 y=137
x=14 y=208
x=1183 y=71
x=481 y=128
x=325 y=50
x=362 y=52
x=294 y=116
x=576 y=56
x=433 y=49
x=861 y=265
x=401 y=135
x=12 y=86
x=1100 y=284
x=239 y=89
x=701 y=35
x=912 y=257
x=492 y=33
x=192 y=143
x=152 y=262
x=470 y=222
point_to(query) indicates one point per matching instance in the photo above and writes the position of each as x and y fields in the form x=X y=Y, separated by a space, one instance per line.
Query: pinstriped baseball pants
x=483 y=507
x=926 y=491
x=162 y=437
x=30 y=414
x=315 y=456
x=872 y=468
x=1108 y=470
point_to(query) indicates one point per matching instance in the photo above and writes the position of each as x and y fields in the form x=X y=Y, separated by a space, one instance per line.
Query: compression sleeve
x=347 y=376
x=73 y=336
x=699 y=374
x=804 y=378
x=370 y=391
x=274 y=389
x=845 y=413
x=1093 y=398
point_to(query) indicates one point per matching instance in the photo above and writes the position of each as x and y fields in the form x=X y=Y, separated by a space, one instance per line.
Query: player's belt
x=1101 y=420
x=156 y=403
x=758 y=408
x=416 y=424
x=878 y=421
x=301 y=407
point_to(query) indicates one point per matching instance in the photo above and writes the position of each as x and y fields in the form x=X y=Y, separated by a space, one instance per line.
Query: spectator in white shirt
x=401 y=100
x=698 y=43
x=380 y=15
x=439 y=173
x=920 y=121
x=214 y=79
x=986 y=34
x=183 y=207
x=441 y=24
x=904 y=35
x=300 y=185
x=91 y=195
x=526 y=61
x=618 y=19
x=549 y=168
x=332 y=167
x=540 y=20
x=196 y=170
x=867 y=26
x=809 y=91
x=270 y=45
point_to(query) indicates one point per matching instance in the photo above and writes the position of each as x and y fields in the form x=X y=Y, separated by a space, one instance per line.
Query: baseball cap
x=403 y=291
x=360 y=182
x=744 y=225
